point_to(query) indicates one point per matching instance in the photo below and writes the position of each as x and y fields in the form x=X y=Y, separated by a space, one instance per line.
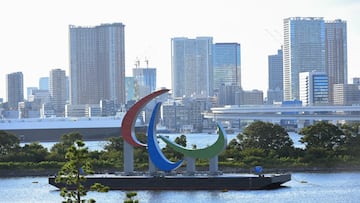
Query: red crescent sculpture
x=129 y=120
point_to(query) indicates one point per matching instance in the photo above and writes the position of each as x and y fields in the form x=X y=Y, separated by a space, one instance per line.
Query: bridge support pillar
x=300 y=124
x=128 y=159
x=152 y=167
x=190 y=165
x=213 y=168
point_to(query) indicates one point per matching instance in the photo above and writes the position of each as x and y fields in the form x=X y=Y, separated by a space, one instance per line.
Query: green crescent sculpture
x=204 y=153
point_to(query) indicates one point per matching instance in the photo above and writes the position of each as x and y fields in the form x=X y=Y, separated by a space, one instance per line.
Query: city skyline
x=41 y=42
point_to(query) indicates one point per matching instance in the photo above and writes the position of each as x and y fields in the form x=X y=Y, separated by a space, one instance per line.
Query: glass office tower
x=192 y=67
x=227 y=64
x=304 y=51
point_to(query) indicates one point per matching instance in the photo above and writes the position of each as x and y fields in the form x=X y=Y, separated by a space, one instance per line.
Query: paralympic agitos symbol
x=155 y=154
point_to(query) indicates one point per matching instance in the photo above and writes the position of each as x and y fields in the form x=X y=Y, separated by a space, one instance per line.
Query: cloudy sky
x=34 y=34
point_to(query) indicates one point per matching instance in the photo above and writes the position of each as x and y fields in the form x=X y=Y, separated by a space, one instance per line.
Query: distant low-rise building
x=253 y=97
x=72 y=110
x=346 y=94
x=186 y=114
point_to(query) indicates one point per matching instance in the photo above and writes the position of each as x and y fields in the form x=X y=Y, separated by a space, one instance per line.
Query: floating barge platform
x=184 y=182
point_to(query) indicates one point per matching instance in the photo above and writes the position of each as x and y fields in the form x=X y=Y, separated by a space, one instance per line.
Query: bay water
x=304 y=187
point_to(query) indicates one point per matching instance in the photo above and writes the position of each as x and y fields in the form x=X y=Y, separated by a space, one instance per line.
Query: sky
x=34 y=36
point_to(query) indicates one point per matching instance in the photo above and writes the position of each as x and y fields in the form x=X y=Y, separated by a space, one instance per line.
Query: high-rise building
x=304 y=51
x=275 y=70
x=192 y=67
x=227 y=64
x=57 y=84
x=15 y=89
x=44 y=83
x=336 y=54
x=314 y=88
x=97 y=63
x=145 y=81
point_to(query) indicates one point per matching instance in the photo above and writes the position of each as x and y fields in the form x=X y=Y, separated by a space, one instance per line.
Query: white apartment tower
x=97 y=63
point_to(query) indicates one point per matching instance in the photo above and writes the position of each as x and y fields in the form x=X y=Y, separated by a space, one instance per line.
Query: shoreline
x=13 y=173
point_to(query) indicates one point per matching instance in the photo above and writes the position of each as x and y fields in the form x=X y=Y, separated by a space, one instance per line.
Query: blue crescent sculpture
x=156 y=156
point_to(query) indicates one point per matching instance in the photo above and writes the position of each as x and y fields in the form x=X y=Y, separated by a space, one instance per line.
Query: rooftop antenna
x=147 y=62
x=137 y=62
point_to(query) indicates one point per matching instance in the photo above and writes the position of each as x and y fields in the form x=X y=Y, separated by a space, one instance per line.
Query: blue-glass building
x=44 y=83
x=227 y=64
x=314 y=88
x=145 y=81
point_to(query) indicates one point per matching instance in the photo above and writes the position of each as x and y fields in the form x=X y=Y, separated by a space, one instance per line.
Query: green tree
x=141 y=153
x=58 y=150
x=271 y=138
x=115 y=144
x=323 y=135
x=130 y=196
x=33 y=152
x=8 y=142
x=352 y=144
x=253 y=156
x=113 y=152
x=171 y=153
x=72 y=174
x=231 y=152
x=324 y=143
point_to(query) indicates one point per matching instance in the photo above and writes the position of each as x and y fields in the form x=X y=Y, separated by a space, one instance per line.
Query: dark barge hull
x=220 y=182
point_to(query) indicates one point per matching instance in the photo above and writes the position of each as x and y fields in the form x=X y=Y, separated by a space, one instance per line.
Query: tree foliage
x=232 y=152
x=352 y=143
x=260 y=143
x=130 y=196
x=33 y=152
x=73 y=173
x=268 y=137
x=8 y=142
x=171 y=153
x=323 y=135
x=58 y=150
